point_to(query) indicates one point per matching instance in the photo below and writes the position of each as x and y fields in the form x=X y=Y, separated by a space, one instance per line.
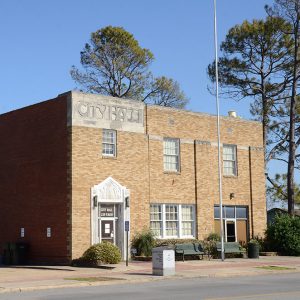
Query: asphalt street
x=279 y=286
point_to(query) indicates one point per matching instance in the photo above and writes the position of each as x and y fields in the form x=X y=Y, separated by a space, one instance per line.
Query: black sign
x=126 y=225
x=107 y=211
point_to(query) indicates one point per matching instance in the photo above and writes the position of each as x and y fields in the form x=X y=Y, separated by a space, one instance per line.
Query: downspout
x=251 y=193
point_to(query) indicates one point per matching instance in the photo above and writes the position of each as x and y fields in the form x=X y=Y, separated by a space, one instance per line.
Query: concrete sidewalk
x=26 y=278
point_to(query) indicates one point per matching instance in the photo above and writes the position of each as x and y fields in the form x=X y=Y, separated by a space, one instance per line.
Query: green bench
x=230 y=247
x=189 y=249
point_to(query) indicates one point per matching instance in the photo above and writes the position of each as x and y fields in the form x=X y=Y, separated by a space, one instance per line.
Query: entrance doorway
x=109 y=212
x=107 y=219
x=230 y=231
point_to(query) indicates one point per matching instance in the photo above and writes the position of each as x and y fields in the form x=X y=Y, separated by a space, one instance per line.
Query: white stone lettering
x=106 y=112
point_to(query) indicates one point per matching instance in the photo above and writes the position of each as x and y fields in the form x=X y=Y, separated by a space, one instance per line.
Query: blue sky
x=41 y=40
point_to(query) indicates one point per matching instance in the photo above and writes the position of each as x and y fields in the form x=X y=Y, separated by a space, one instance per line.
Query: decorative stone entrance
x=109 y=211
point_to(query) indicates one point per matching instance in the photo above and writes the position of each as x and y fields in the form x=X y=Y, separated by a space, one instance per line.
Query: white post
x=218 y=129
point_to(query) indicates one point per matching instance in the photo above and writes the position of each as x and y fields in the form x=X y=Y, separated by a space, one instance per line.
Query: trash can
x=253 y=250
x=163 y=261
x=22 y=253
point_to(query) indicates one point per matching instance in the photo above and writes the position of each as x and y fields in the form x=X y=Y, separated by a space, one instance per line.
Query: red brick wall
x=33 y=178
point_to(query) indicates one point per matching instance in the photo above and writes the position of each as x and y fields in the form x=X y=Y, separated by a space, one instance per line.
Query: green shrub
x=144 y=242
x=283 y=235
x=104 y=252
x=210 y=244
x=214 y=237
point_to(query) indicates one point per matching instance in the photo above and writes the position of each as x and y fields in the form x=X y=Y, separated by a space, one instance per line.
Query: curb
x=4 y=290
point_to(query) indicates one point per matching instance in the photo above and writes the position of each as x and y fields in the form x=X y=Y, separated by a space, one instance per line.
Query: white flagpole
x=218 y=129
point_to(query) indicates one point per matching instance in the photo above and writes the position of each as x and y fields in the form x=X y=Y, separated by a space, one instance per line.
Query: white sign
x=48 y=232
x=107 y=228
x=22 y=233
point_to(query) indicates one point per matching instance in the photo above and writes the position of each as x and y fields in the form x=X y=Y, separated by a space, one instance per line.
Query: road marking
x=255 y=296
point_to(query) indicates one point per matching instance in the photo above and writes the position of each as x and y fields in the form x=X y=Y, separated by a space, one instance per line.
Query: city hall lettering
x=109 y=112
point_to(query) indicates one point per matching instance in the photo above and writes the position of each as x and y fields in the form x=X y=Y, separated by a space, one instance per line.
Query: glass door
x=230 y=230
x=107 y=222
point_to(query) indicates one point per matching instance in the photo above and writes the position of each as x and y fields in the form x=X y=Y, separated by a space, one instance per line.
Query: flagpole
x=218 y=129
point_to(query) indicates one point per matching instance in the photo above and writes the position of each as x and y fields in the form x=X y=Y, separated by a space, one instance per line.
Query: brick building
x=73 y=169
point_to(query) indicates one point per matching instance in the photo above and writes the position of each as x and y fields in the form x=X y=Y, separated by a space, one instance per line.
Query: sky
x=41 y=40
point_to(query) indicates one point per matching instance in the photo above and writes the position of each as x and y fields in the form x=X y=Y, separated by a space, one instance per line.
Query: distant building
x=75 y=168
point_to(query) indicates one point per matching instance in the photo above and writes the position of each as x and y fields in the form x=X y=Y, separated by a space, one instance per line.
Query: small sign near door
x=126 y=225
x=107 y=211
x=107 y=228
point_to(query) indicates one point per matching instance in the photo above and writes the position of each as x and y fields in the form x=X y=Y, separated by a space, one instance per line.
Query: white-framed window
x=172 y=220
x=171 y=217
x=171 y=155
x=109 y=142
x=229 y=160
x=187 y=220
x=156 y=219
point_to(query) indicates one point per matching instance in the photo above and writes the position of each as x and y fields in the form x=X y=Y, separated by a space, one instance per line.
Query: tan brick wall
x=89 y=168
x=139 y=167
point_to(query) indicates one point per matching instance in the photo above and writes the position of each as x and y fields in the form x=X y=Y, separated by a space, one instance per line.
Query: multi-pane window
x=172 y=220
x=171 y=213
x=156 y=219
x=187 y=220
x=231 y=212
x=171 y=155
x=109 y=142
x=229 y=160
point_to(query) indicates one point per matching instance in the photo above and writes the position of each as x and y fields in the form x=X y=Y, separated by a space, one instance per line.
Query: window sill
x=108 y=157
x=172 y=172
x=230 y=176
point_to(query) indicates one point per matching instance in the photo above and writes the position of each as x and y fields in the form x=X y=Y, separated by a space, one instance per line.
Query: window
x=231 y=212
x=187 y=220
x=108 y=142
x=156 y=219
x=172 y=221
x=229 y=160
x=241 y=212
x=171 y=155
x=171 y=216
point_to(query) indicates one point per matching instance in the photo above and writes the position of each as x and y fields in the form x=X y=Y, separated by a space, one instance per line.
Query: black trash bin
x=22 y=253
x=253 y=250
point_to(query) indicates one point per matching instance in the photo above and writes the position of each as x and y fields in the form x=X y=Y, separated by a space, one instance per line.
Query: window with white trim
x=187 y=220
x=229 y=160
x=171 y=155
x=156 y=219
x=172 y=220
x=109 y=145
x=171 y=216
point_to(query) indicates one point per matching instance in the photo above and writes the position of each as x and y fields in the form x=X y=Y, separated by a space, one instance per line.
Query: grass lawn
x=275 y=268
x=93 y=279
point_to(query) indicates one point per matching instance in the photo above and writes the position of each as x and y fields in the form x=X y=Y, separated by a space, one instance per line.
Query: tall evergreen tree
x=114 y=64
x=253 y=65
x=289 y=10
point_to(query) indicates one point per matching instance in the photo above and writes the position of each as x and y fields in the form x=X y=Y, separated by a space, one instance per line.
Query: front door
x=107 y=230
x=230 y=231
